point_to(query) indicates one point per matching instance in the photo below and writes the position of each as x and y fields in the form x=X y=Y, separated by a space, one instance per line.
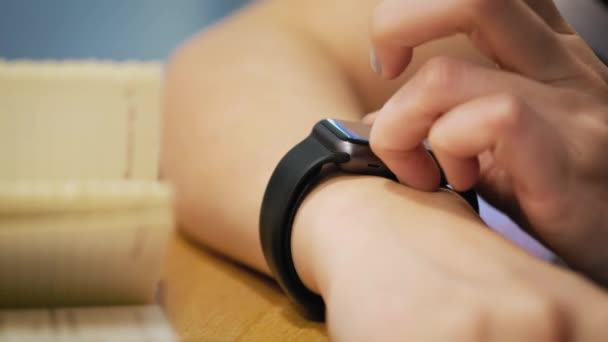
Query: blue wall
x=107 y=29
x=150 y=29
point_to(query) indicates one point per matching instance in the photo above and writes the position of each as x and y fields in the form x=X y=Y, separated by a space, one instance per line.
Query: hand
x=530 y=133
x=418 y=266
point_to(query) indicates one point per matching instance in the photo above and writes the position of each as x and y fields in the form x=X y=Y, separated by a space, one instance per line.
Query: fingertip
x=416 y=169
x=467 y=177
x=461 y=173
x=429 y=182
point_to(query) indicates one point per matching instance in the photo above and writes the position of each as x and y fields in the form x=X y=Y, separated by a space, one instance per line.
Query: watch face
x=350 y=139
x=351 y=131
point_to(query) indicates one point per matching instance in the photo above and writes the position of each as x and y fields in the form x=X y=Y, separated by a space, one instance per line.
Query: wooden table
x=209 y=298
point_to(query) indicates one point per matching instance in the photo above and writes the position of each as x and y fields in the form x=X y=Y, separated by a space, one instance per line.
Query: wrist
x=345 y=211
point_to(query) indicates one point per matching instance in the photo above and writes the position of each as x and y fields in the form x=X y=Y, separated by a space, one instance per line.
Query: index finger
x=508 y=31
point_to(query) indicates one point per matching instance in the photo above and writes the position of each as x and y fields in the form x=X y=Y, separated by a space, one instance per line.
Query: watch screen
x=356 y=132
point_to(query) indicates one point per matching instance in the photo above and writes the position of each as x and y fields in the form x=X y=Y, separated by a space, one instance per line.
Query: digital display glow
x=354 y=131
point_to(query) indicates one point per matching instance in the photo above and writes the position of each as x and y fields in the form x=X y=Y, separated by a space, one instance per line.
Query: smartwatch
x=341 y=143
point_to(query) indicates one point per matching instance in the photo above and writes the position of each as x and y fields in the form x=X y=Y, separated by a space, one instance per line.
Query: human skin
x=539 y=117
x=391 y=262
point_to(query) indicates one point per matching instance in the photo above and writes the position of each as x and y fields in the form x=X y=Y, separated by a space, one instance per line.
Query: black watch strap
x=296 y=172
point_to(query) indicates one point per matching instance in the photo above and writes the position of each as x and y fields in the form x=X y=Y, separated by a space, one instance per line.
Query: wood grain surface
x=209 y=298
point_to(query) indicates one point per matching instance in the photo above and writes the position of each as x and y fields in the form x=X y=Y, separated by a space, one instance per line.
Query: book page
x=83 y=219
x=79 y=120
x=81 y=243
x=128 y=323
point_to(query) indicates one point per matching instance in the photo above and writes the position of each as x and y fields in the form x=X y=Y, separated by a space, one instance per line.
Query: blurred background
x=108 y=29
x=150 y=29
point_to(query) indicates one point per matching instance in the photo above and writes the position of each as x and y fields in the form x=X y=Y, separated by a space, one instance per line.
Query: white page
x=74 y=246
x=79 y=120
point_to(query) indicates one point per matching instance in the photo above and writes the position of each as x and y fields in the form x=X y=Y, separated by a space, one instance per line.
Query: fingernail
x=374 y=62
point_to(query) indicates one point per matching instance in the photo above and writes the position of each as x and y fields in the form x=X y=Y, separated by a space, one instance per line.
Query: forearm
x=237 y=98
x=240 y=95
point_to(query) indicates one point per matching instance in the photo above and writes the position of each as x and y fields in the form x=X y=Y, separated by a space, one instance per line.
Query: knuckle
x=484 y=8
x=470 y=323
x=588 y=148
x=596 y=123
x=440 y=74
x=542 y=317
x=589 y=135
x=510 y=112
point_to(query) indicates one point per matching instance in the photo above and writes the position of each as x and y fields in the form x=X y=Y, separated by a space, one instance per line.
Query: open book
x=83 y=220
